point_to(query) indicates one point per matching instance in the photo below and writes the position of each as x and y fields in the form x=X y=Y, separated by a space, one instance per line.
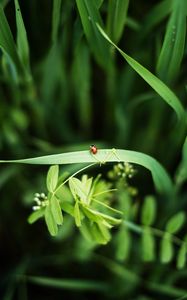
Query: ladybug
x=93 y=149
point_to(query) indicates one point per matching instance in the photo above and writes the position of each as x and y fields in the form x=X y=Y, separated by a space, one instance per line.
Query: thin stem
x=77 y=172
x=105 y=205
x=157 y=232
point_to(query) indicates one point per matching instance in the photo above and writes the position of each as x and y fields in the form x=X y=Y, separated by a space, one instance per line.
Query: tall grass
x=113 y=73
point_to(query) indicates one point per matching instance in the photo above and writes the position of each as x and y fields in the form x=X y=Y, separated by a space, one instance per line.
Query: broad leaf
x=52 y=178
x=176 y=222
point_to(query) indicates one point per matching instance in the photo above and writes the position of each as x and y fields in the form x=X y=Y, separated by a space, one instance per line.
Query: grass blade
x=117 y=13
x=173 y=47
x=160 y=177
x=72 y=284
x=161 y=88
x=6 y=40
x=22 y=42
x=89 y=15
x=55 y=19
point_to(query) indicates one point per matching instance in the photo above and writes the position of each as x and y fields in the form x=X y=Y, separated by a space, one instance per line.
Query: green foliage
x=63 y=86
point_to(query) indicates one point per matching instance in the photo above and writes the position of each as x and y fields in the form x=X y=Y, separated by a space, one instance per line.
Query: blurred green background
x=62 y=88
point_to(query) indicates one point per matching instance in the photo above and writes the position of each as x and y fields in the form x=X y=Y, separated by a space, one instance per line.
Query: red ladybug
x=93 y=149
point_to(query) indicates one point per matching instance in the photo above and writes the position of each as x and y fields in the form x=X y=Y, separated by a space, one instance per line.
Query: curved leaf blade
x=160 y=87
x=161 y=178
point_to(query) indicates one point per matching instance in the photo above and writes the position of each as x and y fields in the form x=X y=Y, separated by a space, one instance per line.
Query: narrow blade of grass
x=6 y=40
x=22 y=41
x=160 y=87
x=89 y=15
x=173 y=47
x=117 y=13
x=161 y=178
x=56 y=19
x=72 y=284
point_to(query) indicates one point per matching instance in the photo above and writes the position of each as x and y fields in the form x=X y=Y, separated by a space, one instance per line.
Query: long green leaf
x=72 y=284
x=117 y=12
x=22 y=42
x=90 y=16
x=173 y=47
x=56 y=19
x=6 y=40
x=161 y=178
x=161 y=88
x=155 y=16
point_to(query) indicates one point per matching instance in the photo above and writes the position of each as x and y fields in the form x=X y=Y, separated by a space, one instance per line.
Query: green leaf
x=156 y=15
x=161 y=178
x=181 y=257
x=52 y=178
x=160 y=87
x=166 y=250
x=117 y=13
x=68 y=284
x=123 y=244
x=56 y=19
x=104 y=231
x=98 y=234
x=67 y=207
x=90 y=15
x=50 y=221
x=176 y=222
x=77 y=214
x=173 y=47
x=148 y=245
x=56 y=210
x=6 y=40
x=148 y=211
x=77 y=188
x=36 y=215
x=22 y=42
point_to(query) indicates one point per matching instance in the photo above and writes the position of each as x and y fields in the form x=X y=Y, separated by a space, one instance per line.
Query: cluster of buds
x=41 y=201
x=123 y=170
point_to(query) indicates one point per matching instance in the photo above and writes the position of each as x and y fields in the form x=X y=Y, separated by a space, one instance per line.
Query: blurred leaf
x=52 y=178
x=105 y=232
x=148 y=211
x=6 y=40
x=166 y=250
x=56 y=18
x=173 y=46
x=181 y=257
x=69 y=284
x=56 y=210
x=22 y=42
x=176 y=222
x=159 y=11
x=36 y=215
x=77 y=214
x=50 y=221
x=148 y=245
x=90 y=16
x=123 y=243
x=98 y=3
x=99 y=234
x=81 y=75
x=67 y=207
x=161 y=88
x=117 y=13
